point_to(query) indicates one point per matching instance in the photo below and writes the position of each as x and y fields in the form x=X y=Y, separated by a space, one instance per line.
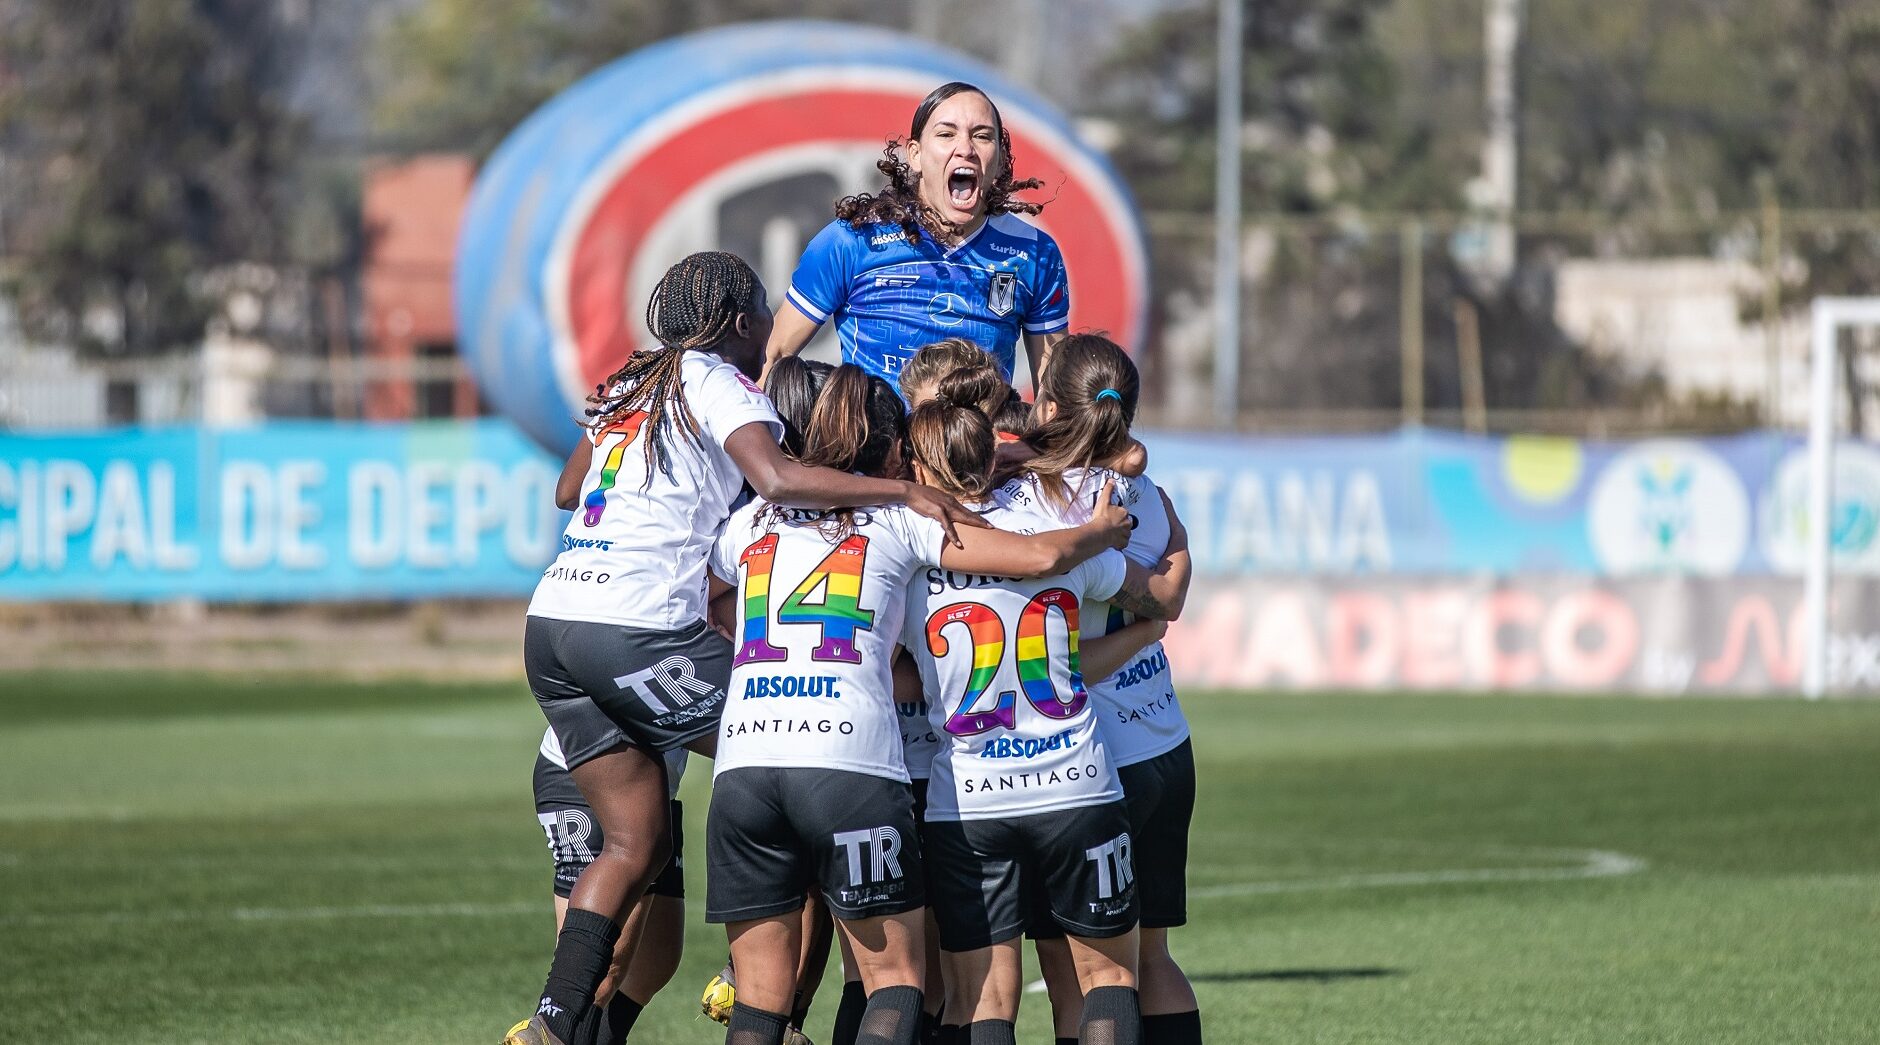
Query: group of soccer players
x=921 y=646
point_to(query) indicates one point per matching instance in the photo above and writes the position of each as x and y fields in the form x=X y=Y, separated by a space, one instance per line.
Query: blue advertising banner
x=313 y=510
x=1421 y=502
x=287 y=511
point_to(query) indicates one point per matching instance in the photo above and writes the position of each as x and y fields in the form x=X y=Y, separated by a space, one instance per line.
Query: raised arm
x=788 y=334
x=1106 y=654
x=1004 y=554
x=779 y=480
x=1037 y=353
x=1159 y=592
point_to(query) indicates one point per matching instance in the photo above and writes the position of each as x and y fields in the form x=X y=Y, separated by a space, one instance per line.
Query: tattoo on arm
x=1136 y=598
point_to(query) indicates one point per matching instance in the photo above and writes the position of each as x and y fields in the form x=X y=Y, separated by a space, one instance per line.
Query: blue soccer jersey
x=889 y=297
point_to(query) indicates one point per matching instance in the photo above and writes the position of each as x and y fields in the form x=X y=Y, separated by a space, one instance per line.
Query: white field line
x=1593 y=863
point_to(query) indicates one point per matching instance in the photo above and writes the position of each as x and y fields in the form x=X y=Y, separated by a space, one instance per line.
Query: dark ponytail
x=1093 y=385
x=792 y=385
x=857 y=423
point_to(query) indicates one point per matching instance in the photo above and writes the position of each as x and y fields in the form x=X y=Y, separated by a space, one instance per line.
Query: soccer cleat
x=531 y=1031
x=720 y=994
x=793 y=1036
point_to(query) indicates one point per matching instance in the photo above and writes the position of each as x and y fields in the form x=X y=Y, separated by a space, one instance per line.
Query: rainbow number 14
x=839 y=615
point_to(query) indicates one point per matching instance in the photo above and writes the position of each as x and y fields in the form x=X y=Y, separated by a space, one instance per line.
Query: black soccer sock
x=1066 y=1041
x=617 y=1020
x=799 y=1010
x=849 y=1013
x=929 y=1028
x=752 y=1026
x=991 y=1032
x=1111 y=1017
x=582 y=953
x=951 y=1034
x=892 y=1017
x=1172 y=1028
x=588 y=1030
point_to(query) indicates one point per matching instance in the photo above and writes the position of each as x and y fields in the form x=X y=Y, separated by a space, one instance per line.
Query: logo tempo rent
x=738 y=139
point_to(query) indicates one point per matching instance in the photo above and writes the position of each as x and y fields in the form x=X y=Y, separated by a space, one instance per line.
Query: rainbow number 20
x=985 y=633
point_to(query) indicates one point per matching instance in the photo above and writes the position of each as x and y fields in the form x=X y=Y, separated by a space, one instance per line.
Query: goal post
x=1828 y=315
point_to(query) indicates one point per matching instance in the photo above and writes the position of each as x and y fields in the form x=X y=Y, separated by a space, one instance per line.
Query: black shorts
x=601 y=685
x=992 y=878
x=574 y=835
x=773 y=833
x=1160 y=794
x=920 y=800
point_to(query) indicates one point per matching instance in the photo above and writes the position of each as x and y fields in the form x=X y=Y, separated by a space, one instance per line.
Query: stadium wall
x=1419 y=559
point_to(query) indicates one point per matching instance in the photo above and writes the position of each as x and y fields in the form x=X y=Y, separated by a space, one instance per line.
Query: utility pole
x=1500 y=156
x=1024 y=48
x=1227 y=216
x=926 y=19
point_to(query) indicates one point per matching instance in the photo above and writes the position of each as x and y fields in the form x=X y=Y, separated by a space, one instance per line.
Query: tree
x=149 y=143
x=461 y=74
x=1325 y=121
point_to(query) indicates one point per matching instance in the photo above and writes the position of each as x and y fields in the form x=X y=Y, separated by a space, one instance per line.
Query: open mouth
x=963 y=186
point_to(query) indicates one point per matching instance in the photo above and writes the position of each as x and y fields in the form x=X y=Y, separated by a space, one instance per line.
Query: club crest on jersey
x=1000 y=295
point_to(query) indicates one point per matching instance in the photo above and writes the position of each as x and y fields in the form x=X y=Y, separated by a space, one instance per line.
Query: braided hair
x=899 y=202
x=695 y=305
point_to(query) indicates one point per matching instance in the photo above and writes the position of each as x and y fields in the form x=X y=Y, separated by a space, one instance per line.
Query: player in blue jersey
x=939 y=252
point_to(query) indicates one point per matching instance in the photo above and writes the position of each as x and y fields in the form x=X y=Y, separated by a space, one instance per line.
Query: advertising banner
x=1544 y=634
x=1420 y=502
x=1403 y=561
x=286 y=511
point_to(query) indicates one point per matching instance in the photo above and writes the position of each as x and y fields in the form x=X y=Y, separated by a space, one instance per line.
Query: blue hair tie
x=1110 y=393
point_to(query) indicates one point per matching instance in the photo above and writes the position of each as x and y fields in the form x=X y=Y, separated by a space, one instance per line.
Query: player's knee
x=644 y=852
x=894 y=970
x=1108 y=975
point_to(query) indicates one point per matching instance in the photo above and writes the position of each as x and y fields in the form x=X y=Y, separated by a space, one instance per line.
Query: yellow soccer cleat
x=531 y=1031
x=720 y=994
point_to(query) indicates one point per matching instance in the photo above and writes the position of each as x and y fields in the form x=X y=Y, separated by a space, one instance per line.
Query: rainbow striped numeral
x=839 y=615
x=757 y=561
x=595 y=503
x=1034 y=655
x=985 y=631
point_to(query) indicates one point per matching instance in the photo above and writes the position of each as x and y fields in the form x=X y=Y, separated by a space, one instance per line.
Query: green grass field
x=209 y=860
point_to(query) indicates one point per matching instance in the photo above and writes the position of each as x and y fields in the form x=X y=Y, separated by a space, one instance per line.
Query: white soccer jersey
x=634 y=553
x=812 y=680
x=998 y=659
x=920 y=738
x=675 y=761
x=1137 y=708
